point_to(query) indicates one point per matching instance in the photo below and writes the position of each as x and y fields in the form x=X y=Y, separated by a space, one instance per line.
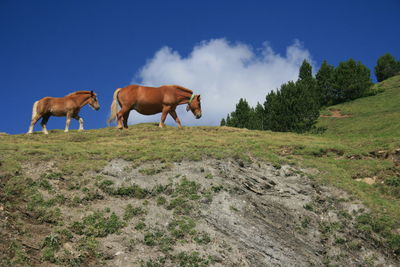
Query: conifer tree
x=223 y=123
x=259 y=118
x=325 y=83
x=352 y=80
x=386 y=67
x=305 y=71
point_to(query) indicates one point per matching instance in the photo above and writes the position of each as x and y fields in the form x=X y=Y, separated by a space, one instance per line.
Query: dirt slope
x=211 y=212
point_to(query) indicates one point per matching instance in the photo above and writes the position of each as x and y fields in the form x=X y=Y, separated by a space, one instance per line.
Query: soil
x=335 y=113
x=259 y=215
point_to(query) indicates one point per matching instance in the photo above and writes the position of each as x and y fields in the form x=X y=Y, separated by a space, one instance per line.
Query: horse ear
x=187 y=108
x=91 y=92
x=198 y=97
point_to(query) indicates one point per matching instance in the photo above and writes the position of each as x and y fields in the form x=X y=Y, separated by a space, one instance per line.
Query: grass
x=348 y=149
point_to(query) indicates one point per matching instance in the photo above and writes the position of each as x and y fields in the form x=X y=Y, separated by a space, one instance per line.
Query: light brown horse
x=68 y=106
x=153 y=100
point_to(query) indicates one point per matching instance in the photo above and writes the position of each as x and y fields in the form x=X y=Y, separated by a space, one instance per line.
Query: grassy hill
x=49 y=182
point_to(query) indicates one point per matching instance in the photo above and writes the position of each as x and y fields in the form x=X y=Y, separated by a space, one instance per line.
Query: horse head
x=93 y=102
x=195 y=106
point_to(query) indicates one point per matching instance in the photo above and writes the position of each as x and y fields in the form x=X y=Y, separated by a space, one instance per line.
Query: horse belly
x=148 y=109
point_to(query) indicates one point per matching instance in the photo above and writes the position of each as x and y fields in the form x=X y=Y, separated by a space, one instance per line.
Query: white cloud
x=222 y=73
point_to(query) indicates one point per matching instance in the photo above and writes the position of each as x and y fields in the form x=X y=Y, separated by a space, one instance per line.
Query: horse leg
x=120 y=117
x=177 y=120
x=44 y=122
x=78 y=118
x=164 y=114
x=67 y=123
x=33 y=122
x=125 y=119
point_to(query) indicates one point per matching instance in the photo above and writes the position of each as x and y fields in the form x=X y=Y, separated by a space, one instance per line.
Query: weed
x=156 y=237
x=150 y=171
x=191 y=259
x=131 y=212
x=53 y=175
x=140 y=226
x=19 y=256
x=134 y=191
x=233 y=208
x=50 y=246
x=209 y=176
x=98 y=225
x=309 y=206
x=182 y=227
x=340 y=240
x=161 y=200
x=202 y=238
x=181 y=206
x=305 y=222
x=216 y=188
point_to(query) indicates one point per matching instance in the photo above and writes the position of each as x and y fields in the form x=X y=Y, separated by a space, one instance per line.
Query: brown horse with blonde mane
x=153 y=100
x=68 y=106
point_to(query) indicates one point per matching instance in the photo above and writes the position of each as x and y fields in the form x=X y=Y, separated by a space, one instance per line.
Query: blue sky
x=51 y=48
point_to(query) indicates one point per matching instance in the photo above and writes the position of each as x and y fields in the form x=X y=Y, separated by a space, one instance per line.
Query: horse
x=68 y=106
x=152 y=100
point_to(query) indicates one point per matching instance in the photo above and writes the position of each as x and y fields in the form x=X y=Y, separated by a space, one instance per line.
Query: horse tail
x=114 y=107
x=34 y=109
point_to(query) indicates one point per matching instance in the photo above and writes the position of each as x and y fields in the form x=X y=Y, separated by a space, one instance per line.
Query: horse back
x=56 y=106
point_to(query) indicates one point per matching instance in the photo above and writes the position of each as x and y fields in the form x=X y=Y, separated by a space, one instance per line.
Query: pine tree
x=228 y=121
x=293 y=107
x=259 y=117
x=223 y=123
x=352 y=80
x=325 y=83
x=241 y=117
x=305 y=71
x=386 y=67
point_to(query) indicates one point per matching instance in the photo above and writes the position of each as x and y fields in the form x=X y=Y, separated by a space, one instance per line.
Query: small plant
x=181 y=206
x=202 y=238
x=53 y=175
x=309 y=206
x=161 y=200
x=233 y=208
x=50 y=245
x=131 y=212
x=140 y=226
x=98 y=225
x=191 y=259
x=182 y=227
x=131 y=191
x=150 y=171
x=45 y=184
x=158 y=238
x=305 y=222
x=217 y=188
x=209 y=176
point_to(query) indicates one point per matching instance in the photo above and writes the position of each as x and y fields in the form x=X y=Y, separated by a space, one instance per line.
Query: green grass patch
x=98 y=225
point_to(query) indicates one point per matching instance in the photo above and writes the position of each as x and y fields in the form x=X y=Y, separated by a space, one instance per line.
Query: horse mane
x=79 y=93
x=182 y=88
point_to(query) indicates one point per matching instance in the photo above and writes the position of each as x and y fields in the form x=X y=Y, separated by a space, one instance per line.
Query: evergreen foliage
x=325 y=83
x=305 y=72
x=295 y=105
x=223 y=122
x=386 y=67
x=242 y=117
x=351 y=80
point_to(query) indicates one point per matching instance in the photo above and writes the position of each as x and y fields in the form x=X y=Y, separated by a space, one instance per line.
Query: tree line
x=294 y=107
